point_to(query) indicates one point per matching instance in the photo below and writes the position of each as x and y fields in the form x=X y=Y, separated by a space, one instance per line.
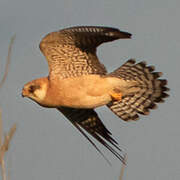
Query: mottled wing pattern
x=151 y=90
x=90 y=122
x=71 y=52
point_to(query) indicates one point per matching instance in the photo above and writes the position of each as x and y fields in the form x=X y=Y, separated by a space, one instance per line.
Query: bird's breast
x=81 y=92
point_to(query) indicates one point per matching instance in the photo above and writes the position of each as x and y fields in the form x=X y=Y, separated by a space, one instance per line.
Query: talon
x=116 y=96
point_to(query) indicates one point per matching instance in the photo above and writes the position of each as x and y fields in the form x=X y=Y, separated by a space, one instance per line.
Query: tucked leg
x=116 y=96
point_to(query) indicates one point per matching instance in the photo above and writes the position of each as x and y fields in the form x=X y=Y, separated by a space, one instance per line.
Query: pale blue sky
x=46 y=146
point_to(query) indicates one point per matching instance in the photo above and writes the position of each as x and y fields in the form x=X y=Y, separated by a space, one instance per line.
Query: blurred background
x=45 y=145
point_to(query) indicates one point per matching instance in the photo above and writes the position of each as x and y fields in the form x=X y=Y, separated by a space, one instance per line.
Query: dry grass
x=8 y=60
x=4 y=146
x=5 y=141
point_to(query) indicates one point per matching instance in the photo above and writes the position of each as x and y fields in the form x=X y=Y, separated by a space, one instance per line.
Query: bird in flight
x=78 y=83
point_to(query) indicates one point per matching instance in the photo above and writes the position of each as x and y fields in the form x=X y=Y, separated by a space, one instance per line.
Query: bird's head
x=36 y=89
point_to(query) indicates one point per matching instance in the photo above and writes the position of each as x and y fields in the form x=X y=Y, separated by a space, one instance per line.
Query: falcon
x=78 y=83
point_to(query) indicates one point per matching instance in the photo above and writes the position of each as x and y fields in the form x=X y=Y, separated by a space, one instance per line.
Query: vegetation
x=5 y=140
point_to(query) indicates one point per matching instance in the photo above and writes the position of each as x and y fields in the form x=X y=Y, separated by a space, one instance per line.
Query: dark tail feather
x=152 y=90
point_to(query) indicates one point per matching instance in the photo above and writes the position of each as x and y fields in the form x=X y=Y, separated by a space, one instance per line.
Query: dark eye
x=31 y=89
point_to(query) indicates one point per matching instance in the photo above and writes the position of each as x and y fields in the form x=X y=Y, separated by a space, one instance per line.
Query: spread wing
x=71 y=52
x=90 y=122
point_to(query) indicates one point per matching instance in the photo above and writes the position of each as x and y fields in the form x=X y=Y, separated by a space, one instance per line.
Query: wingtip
x=128 y=35
x=118 y=34
x=124 y=35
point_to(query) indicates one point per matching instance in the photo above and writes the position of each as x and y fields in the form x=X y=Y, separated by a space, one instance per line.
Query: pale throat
x=40 y=94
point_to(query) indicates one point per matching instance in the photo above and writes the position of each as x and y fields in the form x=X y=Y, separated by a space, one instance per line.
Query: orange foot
x=116 y=96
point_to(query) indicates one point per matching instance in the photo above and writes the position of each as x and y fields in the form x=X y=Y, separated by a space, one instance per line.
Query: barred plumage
x=151 y=90
x=71 y=52
x=77 y=82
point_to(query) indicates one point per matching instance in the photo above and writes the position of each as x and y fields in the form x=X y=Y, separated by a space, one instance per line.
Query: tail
x=152 y=90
